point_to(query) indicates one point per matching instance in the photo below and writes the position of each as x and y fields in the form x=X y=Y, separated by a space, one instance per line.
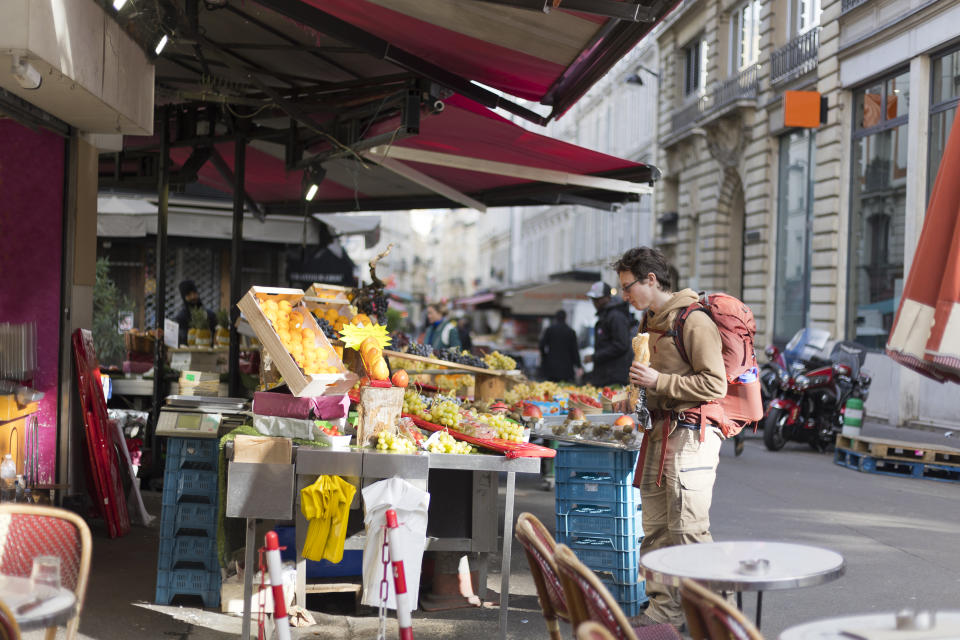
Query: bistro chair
x=591 y=630
x=27 y=531
x=9 y=629
x=539 y=546
x=710 y=617
x=589 y=600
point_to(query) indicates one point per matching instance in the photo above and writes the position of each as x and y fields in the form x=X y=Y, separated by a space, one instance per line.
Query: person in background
x=441 y=332
x=676 y=472
x=463 y=330
x=612 y=351
x=191 y=300
x=559 y=355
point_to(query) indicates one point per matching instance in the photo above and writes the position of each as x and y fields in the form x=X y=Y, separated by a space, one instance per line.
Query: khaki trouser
x=678 y=511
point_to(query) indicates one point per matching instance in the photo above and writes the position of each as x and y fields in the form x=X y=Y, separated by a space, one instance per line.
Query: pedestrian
x=463 y=331
x=612 y=352
x=191 y=300
x=441 y=332
x=559 y=355
x=676 y=472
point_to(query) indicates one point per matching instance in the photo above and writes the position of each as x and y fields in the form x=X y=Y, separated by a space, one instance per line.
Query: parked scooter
x=813 y=391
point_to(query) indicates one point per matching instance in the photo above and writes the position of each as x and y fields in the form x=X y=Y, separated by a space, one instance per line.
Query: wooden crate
x=319 y=291
x=300 y=384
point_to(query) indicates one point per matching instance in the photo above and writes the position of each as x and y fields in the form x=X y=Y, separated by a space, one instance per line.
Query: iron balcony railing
x=687 y=116
x=850 y=5
x=743 y=86
x=795 y=59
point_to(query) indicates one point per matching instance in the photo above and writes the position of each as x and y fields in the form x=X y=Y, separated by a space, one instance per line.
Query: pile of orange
x=299 y=338
x=337 y=321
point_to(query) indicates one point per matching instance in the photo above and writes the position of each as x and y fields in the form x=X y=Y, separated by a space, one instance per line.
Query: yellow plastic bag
x=326 y=505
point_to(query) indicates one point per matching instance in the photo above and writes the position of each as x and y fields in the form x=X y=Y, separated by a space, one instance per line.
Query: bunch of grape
x=446 y=413
x=454 y=354
x=400 y=340
x=445 y=443
x=497 y=360
x=506 y=429
x=413 y=403
x=397 y=444
x=328 y=330
x=418 y=349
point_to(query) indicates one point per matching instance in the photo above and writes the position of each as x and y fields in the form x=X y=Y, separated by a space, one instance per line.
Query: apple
x=624 y=421
x=400 y=378
x=532 y=411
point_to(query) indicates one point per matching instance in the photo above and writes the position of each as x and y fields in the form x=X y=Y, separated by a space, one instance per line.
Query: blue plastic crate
x=576 y=522
x=186 y=485
x=189 y=582
x=632 y=594
x=581 y=490
x=601 y=541
x=188 y=552
x=350 y=565
x=592 y=506
x=192 y=453
x=584 y=458
x=621 y=566
x=188 y=519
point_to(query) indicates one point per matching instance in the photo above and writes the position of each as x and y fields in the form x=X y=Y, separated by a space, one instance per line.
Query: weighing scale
x=200 y=416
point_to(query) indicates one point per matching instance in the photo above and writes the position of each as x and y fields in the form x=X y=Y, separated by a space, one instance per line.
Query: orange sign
x=801 y=109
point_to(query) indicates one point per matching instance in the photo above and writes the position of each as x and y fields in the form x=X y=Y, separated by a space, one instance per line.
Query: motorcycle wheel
x=773 y=436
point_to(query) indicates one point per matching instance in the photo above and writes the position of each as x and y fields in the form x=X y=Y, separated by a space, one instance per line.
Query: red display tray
x=509 y=449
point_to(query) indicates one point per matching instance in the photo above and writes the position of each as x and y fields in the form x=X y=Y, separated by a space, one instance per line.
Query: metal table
x=739 y=566
x=846 y=627
x=56 y=606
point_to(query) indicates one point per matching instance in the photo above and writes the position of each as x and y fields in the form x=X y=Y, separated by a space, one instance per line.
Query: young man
x=441 y=333
x=678 y=466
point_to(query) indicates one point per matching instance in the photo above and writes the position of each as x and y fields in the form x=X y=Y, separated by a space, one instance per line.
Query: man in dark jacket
x=191 y=300
x=612 y=351
x=559 y=356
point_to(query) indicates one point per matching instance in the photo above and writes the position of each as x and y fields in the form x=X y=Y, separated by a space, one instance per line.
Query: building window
x=878 y=208
x=943 y=109
x=794 y=222
x=694 y=67
x=808 y=15
x=745 y=33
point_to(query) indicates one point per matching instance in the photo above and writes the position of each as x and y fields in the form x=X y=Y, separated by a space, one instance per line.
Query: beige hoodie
x=682 y=385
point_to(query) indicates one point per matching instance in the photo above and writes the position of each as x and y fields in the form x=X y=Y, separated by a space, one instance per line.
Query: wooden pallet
x=900 y=450
x=902 y=468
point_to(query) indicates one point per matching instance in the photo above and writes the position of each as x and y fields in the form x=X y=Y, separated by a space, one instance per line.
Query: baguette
x=641 y=348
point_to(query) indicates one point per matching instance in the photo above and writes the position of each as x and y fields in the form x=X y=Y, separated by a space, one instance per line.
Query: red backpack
x=742 y=404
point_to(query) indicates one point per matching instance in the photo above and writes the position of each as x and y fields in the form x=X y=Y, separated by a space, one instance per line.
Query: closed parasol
x=926 y=331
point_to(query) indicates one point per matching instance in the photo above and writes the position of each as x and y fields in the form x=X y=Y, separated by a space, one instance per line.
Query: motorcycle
x=770 y=374
x=813 y=391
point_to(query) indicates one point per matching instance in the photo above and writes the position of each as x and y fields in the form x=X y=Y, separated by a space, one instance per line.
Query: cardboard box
x=300 y=384
x=263 y=449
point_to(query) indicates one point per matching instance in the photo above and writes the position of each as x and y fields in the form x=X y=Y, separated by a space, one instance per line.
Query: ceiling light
x=26 y=74
x=118 y=4
x=161 y=44
x=312 y=192
x=313 y=176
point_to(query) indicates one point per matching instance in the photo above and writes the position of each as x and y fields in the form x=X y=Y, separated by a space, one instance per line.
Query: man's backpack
x=734 y=319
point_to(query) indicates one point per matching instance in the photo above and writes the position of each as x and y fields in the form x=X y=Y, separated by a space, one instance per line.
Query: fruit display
x=623 y=432
x=395 y=443
x=413 y=404
x=584 y=399
x=327 y=428
x=461 y=356
x=443 y=442
x=497 y=360
x=446 y=413
x=310 y=353
x=506 y=429
x=369 y=341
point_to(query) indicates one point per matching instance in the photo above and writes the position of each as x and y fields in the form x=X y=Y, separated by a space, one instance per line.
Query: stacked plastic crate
x=598 y=517
x=188 y=563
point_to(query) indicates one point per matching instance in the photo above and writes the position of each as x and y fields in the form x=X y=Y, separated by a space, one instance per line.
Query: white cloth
x=411 y=505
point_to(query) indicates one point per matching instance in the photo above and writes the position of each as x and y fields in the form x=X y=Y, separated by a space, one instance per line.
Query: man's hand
x=643 y=376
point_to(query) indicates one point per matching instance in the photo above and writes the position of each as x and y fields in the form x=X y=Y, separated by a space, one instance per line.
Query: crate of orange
x=289 y=333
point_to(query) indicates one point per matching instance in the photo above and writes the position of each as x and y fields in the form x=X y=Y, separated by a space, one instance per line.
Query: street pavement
x=898 y=535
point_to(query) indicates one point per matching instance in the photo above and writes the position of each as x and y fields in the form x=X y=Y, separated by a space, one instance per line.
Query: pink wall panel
x=31 y=228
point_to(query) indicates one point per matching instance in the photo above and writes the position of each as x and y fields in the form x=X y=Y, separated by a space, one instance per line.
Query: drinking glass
x=45 y=573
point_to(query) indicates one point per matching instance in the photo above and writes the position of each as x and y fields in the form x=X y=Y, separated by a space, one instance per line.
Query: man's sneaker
x=737 y=446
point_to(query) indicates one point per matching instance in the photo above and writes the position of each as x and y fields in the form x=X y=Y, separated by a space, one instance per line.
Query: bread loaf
x=641 y=348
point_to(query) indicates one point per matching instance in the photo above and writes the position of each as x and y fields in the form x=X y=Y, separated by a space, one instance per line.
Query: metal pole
x=159 y=295
x=249 y=569
x=239 y=169
x=505 y=557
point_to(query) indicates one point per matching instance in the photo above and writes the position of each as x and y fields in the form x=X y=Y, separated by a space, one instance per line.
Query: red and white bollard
x=275 y=569
x=404 y=621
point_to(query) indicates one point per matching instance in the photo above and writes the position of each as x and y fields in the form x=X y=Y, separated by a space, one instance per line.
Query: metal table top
x=846 y=627
x=738 y=565
x=56 y=606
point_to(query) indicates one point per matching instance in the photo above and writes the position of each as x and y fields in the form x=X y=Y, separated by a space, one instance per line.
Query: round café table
x=847 y=627
x=743 y=565
x=46 y=607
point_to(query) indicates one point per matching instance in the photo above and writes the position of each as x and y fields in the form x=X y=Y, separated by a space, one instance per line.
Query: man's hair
x=436 y=307
x=643 y=260
x=560 y=316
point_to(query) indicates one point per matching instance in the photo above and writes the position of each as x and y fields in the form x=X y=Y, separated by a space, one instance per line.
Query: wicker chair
x=710 y=617
x=29 y=531
x=539 y=546
x=591 y=630
x=9 y=630
x=589 y=600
